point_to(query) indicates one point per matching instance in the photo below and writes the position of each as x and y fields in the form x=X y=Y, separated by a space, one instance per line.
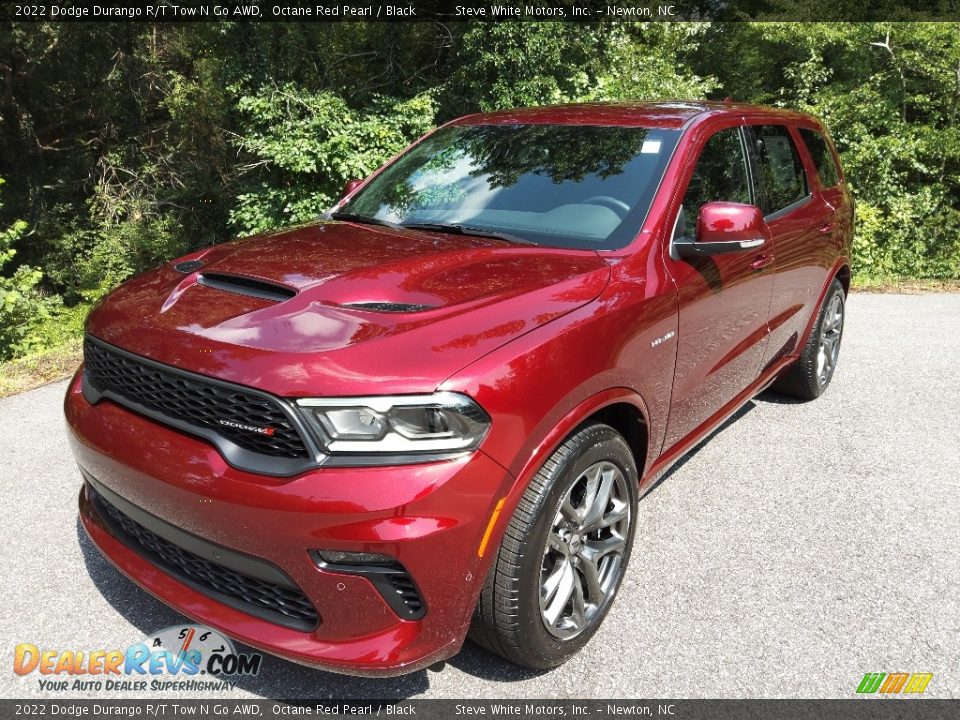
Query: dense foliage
x=20 y=303
x=123 y=145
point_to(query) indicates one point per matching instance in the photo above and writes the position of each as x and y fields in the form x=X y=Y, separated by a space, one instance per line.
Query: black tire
x=508 y=618
x=806 y=379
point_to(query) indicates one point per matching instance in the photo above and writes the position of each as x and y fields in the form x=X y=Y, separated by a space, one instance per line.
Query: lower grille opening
x=389 y=577
x=404 y=587
x=282 y=605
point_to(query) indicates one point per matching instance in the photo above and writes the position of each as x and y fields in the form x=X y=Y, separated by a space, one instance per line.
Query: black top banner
x=480 y=11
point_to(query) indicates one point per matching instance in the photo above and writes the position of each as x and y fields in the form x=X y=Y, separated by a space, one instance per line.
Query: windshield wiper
x=454 y=228
x=458 y=229
x=363 y=219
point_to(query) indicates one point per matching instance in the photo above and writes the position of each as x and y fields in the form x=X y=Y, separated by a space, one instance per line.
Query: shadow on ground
x=776 y=399
x=684 y=459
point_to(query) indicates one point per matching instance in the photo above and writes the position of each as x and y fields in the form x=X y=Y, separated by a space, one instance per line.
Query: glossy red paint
x=730 y=222
x=351 y=186
x=541 y=338
x=482 y=294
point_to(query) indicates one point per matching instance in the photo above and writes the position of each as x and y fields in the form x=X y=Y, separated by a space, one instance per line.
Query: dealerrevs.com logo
x=181 y=657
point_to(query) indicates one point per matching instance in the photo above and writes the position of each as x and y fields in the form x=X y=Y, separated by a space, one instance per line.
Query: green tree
x=890 y=92
x=650 y=61
x=303 y=148
x=504 y=65
x=22 y=307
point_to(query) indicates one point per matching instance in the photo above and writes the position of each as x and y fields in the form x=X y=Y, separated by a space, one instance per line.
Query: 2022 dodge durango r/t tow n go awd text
x=431 y=413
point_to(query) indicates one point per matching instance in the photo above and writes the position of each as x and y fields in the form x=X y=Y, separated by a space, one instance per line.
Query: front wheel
x=563 y=554
x=811 y=374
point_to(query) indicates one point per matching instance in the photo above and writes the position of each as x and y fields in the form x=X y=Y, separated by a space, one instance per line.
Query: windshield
x=579 y=186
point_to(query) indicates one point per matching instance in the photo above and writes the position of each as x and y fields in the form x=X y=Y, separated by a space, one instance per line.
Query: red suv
x=432 y=412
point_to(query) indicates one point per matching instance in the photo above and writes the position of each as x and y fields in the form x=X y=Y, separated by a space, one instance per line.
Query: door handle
x=826 y=229
x=761 y=261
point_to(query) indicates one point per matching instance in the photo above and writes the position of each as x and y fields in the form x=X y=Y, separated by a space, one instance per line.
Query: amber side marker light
x=489 y=531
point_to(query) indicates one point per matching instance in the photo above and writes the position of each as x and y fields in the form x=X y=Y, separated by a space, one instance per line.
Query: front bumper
x=430 y=517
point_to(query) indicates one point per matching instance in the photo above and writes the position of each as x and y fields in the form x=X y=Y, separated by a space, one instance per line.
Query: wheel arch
x=621 y=408
x=628 y=420
x=844 y=275
x=840 y=271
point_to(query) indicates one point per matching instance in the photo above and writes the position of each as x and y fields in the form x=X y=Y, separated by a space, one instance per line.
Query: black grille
x=284 y=605
x=193 y=400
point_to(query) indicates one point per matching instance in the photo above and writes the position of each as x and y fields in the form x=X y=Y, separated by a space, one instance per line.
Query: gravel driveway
x=802 y=546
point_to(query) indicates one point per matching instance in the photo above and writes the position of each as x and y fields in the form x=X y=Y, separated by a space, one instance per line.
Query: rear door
x=723 y=299
x=800 y=221
x=824 y=165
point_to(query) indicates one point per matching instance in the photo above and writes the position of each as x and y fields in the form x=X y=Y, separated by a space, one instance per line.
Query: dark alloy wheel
x=810 y=376
x=563 y=554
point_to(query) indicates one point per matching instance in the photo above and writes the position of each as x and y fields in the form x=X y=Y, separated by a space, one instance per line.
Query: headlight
x=439 y=424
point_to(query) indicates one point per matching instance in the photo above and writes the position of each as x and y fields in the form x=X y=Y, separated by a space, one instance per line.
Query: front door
x=724 y=300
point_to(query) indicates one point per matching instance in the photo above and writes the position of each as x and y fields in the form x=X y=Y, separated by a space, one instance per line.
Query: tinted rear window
x=822 y=157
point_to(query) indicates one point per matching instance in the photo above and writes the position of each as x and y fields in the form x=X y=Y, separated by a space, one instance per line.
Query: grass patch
x=906 y=286
x=26 y=373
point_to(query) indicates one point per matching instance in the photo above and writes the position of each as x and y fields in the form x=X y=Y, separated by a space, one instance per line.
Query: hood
x=330 y=308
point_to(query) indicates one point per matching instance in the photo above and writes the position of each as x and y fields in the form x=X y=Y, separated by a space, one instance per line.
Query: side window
x=780 y=176
x=822 y=157
x=720 y=175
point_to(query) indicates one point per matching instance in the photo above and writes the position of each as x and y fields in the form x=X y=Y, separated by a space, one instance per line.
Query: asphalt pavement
x=801 y=546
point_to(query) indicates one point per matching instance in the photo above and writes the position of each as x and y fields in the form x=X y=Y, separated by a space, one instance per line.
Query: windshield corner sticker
x=650 y=147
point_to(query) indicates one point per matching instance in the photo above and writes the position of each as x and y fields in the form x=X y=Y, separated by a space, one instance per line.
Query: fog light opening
x=395 y=585
x=340 y=557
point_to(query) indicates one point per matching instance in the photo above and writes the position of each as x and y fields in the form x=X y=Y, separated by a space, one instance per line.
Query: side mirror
x=724 y=227
x=350 y=187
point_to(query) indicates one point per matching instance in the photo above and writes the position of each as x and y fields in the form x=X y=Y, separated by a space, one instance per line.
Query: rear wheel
x=811 y=375
x=563 y=554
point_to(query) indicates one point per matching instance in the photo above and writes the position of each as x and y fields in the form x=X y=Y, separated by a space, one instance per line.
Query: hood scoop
x=241 y=285
x=388 y=307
